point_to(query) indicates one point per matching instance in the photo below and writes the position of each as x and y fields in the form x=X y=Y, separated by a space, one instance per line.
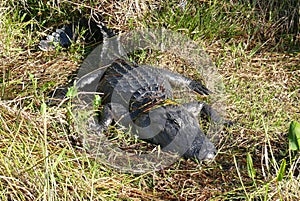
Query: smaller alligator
x=141 y=97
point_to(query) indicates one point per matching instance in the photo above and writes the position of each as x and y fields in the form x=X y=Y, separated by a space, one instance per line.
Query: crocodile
x=141 y=98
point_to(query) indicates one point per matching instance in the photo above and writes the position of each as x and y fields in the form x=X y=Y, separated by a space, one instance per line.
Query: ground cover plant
x=255 y=46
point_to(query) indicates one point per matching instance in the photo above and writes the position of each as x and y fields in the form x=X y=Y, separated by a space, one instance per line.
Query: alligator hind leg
x=216 y=120
x=66 y=35
x=176 y=79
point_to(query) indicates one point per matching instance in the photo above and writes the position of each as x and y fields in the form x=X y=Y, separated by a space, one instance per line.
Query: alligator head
x=179 y=131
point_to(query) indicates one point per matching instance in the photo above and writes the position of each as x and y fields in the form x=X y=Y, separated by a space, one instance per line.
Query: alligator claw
x=60 y=37
x=199 y=88
x=46 y=45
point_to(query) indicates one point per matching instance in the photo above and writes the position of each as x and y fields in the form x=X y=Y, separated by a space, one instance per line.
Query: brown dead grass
x=262 y=97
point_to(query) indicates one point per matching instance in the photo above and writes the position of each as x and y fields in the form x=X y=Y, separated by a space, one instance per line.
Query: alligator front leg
x=203 y=109
x=106 y=117
x=113 y=112
x=206 y=111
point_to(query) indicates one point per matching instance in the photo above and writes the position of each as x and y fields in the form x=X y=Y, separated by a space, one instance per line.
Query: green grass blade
x=294 y=136
x=281 y=171
x=250 y=168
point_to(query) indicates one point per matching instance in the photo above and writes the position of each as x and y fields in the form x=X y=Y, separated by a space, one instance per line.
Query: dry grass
x=39 y=158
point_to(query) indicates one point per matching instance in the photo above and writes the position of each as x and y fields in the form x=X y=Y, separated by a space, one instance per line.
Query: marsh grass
x=40 y=157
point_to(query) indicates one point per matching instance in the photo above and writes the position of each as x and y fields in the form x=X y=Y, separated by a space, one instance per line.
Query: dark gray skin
x=180 y=133
x=137 y=97
x=174 y=127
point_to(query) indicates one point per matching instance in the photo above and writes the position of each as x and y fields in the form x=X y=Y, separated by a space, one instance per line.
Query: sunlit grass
x=41 y=158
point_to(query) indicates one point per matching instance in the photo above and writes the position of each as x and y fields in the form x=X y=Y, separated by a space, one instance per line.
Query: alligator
x=141 y=98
